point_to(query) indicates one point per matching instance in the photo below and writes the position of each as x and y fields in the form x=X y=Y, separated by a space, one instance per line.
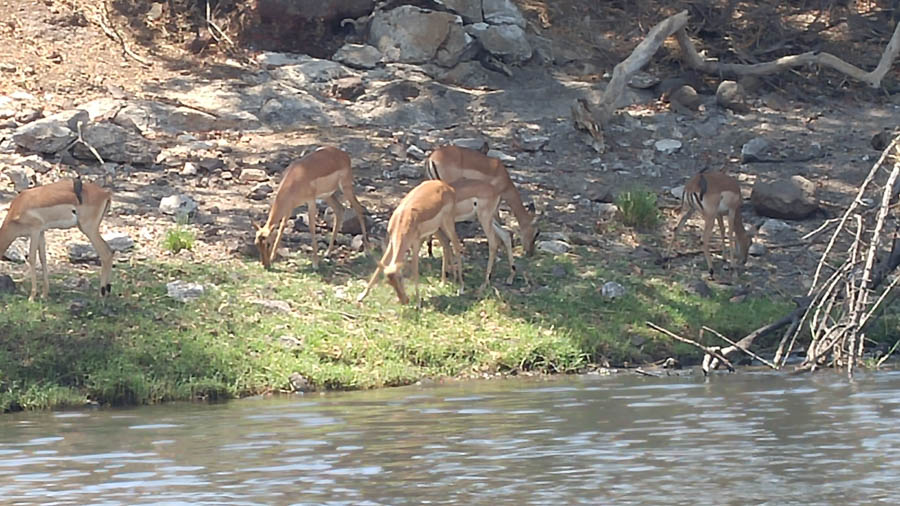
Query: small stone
x=612 y=290
x=119 y=242
x=7 y=285
x=177 y=205
x=16 y=251
x=77 y=307
x=699 y=287
x=19 y=178
x=532 y=142
x=275 y=306
x=605 y=209
x=260 y=191
x=410 y=172
x=184 y=291
x=731 y=95
x=254 y=175
x=29 y=115
x=667 y=146
x=476 y=143
x=357 y=244
x=643 y=80
x=558 y=271
x=81 y=252
x=290 y=342
x=757 y=249
x=299 y=383
x=7 y=113
x=190 y=169
x=773 y=226
x=751 y=151
x=493 y=153
x=211 y=164
x=416 y=152
x=554 y=246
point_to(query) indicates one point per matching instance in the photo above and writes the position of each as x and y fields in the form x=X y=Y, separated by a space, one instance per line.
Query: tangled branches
x=845 y=302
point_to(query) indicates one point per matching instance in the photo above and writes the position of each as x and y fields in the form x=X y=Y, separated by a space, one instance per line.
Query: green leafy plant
x=179 y=237
x=638 y=208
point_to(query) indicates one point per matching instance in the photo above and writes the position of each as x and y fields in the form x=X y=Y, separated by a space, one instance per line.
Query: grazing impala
x=63 y=204
x=424 y=210
x=715 y=194
x=478 y=199
x=452 y=163
x=317 y=175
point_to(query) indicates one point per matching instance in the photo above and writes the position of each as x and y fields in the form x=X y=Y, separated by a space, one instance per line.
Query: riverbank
x=254 y=331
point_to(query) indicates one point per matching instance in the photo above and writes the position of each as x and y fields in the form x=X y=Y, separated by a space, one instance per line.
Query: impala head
x=394 y=278
x=266 y=243
x=530 y=231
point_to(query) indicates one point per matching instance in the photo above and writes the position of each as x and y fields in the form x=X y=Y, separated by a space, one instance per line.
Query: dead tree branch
x=873 y=78
x=710 y=351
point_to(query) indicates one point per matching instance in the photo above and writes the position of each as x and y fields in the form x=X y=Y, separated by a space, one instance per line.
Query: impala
x=63 y=204
x=452 y=163
x=318 y=175
x=478 y=199
x=715 y=195
x=430 y=206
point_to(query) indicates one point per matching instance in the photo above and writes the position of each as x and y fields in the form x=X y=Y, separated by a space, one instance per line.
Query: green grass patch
x=638 y=209
x=140 y=346
x=179 y=237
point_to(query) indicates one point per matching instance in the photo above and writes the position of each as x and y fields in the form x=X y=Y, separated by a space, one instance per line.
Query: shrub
x=178 y=237
x=638 y=208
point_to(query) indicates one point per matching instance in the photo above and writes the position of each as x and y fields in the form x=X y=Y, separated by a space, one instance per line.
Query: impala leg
x=506 y=238
x=338 y=209
x=487 y=224
x=42 y=252
x=415 y=269
x=446 y=257
x=33 y=242
x=725 y=242
x=347 y=188
x=313 y=213
x=685 y=214
x=449 y=227
x=92 y=231
x=707 y=235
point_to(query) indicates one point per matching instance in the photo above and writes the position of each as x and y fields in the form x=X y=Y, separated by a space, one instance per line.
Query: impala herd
x=464 y=184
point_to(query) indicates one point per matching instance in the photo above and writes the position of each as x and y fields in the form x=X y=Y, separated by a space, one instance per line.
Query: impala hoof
x=106 y=290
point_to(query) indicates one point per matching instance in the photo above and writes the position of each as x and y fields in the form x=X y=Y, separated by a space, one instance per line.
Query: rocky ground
x=219 y=128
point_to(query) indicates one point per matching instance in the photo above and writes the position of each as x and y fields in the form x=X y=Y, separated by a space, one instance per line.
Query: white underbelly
x=62 y=216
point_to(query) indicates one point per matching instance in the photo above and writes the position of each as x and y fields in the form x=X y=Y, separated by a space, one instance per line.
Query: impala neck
x=276 y=213
x=6 y=238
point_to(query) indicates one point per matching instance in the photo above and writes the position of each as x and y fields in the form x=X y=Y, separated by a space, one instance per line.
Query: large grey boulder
x=469 y=10
x=50 y=134
x=312 y=72
x=358 y=56
x=507 y=42
x=116 y=144
x=409 y=34
x=502 y=12
x=788 y=199
x=146 y=116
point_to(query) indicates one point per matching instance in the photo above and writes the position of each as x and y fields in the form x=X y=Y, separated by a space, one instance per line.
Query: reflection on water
x=746 y=438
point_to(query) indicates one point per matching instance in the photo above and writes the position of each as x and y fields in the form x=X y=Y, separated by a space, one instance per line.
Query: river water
x=746 y=438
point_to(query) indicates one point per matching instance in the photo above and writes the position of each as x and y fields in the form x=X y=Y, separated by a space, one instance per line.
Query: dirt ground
x=56 y=51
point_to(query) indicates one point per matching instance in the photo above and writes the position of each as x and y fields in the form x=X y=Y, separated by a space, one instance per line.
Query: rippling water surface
x=747 y=438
